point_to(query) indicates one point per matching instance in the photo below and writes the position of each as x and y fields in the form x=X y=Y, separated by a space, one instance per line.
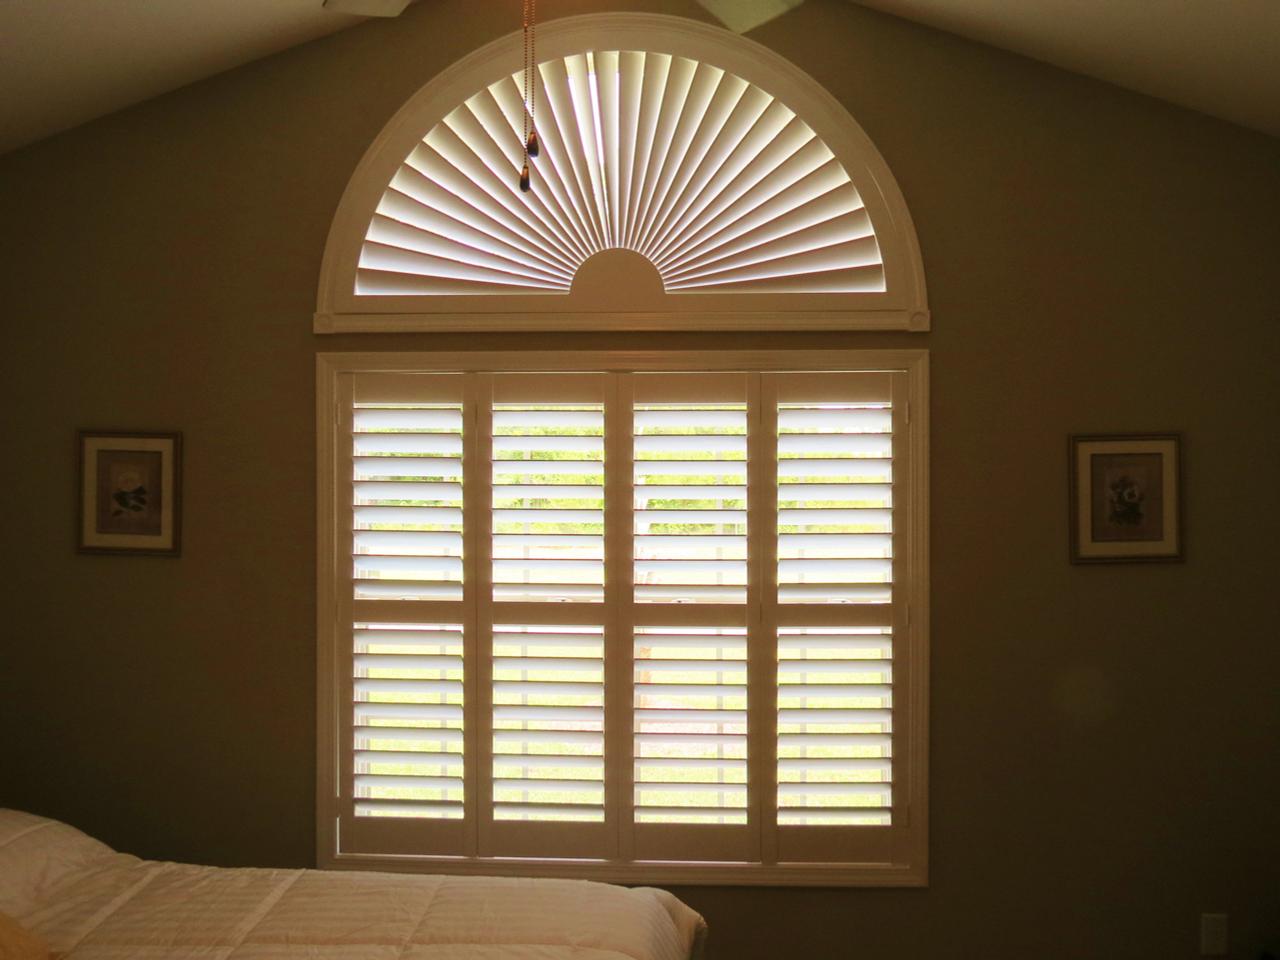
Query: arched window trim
x=902 y=306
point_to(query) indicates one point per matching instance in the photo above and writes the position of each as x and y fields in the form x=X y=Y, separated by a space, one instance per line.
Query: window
x=656 y=617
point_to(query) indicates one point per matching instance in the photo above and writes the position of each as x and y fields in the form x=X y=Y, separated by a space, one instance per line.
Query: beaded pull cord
x=530 y=89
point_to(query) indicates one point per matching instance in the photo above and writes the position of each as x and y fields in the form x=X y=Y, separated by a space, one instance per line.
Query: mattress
x=92 y=903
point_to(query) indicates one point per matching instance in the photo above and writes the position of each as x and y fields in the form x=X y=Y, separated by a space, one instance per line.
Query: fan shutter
x=720 y=186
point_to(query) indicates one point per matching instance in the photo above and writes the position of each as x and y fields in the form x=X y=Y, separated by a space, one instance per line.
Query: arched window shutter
x=746 y=196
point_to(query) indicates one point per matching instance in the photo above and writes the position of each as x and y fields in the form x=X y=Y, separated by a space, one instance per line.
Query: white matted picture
x=1126 y=498
x=130 y=492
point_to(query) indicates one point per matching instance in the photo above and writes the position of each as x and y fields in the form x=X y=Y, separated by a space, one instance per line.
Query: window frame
x=905 y=861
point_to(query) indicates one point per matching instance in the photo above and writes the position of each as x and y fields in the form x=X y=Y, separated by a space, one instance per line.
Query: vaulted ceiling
x=63 y=63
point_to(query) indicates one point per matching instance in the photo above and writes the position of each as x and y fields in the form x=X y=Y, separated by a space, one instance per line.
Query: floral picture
x=1125 y=498
x=129 y=492
x=129 y=488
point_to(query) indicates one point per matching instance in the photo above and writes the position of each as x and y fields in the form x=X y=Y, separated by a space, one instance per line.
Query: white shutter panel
x=408 y=716
x=691 y=783
x=548 y=501
x=835 y=500
x=690 y=498
x=548 y=723
x=691 y=725
x=835 y=615
x=407 y=498
x=545 y=668
x=406 y=781
x=835 y=699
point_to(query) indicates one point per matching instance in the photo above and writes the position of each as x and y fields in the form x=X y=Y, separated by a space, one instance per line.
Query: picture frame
x=1126 y=498
x=129 y=492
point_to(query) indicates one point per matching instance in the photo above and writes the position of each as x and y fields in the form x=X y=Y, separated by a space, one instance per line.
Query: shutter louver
x=713 y=180
x=407 y=498
x=690 y=497
x=408 y=720
x=835 y=501
x=548 y=723
x=834 y=725
x=548 y=502
x=690 y=725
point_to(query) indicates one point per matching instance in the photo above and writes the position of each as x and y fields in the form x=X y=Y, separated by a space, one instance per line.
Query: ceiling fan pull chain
x=529 y=142
x=531 y=80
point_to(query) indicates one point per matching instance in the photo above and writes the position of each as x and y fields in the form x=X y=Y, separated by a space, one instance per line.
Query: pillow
x=37 y=854
x=19 y=943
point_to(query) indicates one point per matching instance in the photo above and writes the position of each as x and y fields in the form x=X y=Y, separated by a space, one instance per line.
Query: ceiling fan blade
x=368 y=8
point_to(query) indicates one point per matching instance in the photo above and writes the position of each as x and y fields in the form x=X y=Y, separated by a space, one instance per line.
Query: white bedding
x=92 y=903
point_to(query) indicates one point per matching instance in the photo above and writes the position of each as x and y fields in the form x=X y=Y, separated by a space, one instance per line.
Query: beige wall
x=1104 y=739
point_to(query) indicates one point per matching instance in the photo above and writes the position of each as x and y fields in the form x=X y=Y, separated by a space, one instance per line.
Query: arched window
x=689 y=178
x=643 y=616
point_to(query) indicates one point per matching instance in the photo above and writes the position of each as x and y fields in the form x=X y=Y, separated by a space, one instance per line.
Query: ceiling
x=1221 y=57
x=64 y=62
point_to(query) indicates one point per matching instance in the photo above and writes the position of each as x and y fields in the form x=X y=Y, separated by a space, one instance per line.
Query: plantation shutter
x=833 y=614
x=407 y=748
x=691 y=796
x=625 y=617
x=543 y=617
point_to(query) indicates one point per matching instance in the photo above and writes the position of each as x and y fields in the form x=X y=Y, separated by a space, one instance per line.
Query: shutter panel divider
x=619 y=599
x=762 y=505
x=344 y=590
x=478 y=521
x=472 y=567
x=903 y=539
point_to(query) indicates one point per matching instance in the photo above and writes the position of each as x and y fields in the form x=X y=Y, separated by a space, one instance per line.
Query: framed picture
x=130 y=492
x=1126 y=498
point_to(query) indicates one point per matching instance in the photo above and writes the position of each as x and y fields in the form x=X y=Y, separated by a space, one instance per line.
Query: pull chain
x=530 y=139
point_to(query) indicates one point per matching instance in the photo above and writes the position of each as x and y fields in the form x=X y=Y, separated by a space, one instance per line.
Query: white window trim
x=905 y=866
x=902 y=306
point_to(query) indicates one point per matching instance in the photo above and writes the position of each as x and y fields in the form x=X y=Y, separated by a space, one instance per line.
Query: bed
x=88 y=902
